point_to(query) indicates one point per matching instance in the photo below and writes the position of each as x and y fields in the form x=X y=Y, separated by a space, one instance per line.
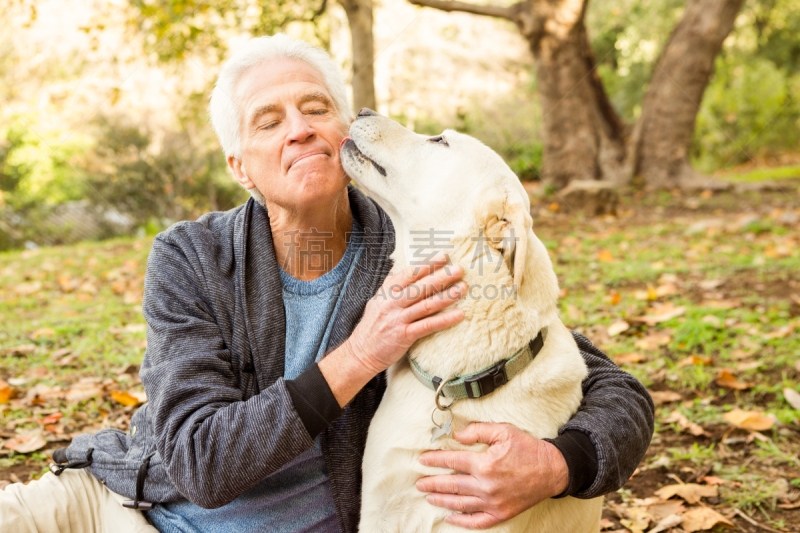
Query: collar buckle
x=487 y=381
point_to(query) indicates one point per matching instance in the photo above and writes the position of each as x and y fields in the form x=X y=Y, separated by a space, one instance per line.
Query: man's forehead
x=272 y=81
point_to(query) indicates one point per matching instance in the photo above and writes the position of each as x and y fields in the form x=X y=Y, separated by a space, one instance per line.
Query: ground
x=697 y=295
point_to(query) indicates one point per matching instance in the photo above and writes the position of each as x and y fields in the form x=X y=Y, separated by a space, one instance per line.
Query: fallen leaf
x=713 y=320
x=26 y=442
x=632 y=357
x=666 y=289
x=124 y=398
x=665 y=396
x=660 y=314
x=20 y=351
x=5 y=392
x=27 y=289
x=729 y=381
x=668 y=522
x=676 y=417
x=615 y=298
x=702 y=519
x=689 y=492
x=652 y=342
x=662 y=509
x=605 y=523
x=713 y=480
x=695 y=360
x=791 y=395
x=554 y=207
x=83 y=390
x=721 y=304
x=43 y=332
x=751 y=420
x=605 y=256
x=637 y=519
x=52 y=418
x=711 y=284
x=618 y=327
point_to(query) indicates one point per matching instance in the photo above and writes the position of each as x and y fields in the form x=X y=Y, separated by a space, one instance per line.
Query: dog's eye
x=439 y=140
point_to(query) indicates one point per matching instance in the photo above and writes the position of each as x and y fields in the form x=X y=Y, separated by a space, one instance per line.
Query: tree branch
x=489 y=11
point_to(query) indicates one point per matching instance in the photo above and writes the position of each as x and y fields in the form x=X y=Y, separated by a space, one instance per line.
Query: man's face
x=290 y=133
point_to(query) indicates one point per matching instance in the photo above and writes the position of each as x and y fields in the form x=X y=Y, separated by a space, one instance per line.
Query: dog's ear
x=506 y=223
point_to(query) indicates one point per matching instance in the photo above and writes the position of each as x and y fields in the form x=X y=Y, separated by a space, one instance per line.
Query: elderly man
x=266 y=355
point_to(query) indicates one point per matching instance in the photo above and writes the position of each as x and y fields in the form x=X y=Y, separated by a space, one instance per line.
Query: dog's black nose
x=366 y=112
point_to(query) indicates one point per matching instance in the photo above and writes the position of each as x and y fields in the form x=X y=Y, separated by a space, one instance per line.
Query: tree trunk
x=676 y=89
x=584 y=137
x=359 y=16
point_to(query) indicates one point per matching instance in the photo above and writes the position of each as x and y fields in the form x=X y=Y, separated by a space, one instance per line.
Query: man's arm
x=213 y=442
x=617 y=415
x=595 y=452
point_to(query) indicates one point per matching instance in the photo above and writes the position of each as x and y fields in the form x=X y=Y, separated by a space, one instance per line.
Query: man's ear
x=505 y=224
x=239 y=173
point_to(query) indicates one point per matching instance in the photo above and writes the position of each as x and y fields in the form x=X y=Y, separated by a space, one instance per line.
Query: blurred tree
x=177 y=28
x=584 y=136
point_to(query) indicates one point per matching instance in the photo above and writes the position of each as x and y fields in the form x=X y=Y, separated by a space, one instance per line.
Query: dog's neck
x=498 y=320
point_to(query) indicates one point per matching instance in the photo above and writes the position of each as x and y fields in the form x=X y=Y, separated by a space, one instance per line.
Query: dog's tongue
x=344 y=141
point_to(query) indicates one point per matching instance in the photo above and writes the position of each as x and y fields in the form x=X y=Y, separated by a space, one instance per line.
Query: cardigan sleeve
x=608 y=436
x=214 y=443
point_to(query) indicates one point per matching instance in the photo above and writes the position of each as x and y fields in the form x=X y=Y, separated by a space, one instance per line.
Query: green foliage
x=176 y=29
x=750 y=109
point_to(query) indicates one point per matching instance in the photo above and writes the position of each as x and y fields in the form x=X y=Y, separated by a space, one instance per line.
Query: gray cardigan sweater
x=220 y=416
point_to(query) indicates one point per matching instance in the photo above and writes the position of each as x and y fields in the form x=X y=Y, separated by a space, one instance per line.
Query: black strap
x=139 y=502
x=58 y=469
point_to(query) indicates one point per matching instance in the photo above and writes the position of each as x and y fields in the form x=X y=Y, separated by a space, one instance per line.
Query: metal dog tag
x=443 y=429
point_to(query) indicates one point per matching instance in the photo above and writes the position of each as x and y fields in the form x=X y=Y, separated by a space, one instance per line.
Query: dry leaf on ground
x=124 y=398
x=695 y=360
x=729 y=381
x=668 y=522
x=689 y=492
x=665 y=396
x=713 y=480
x=652 y=342
x=685 y=424
x=19 y=351
x=605 y=256
x=618 y=327
x=26 y=442
x=702 y=519
x=663 y=509
x=632 y=357
x=660 y=314
x=791 y=395
x=751 y=420
x=5 y=392
x=637 y=519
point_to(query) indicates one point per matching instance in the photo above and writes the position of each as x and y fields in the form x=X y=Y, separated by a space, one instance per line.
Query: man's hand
x=408 y=306
x=516 y=472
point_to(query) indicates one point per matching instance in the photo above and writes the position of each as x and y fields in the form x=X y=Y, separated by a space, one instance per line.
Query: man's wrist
x=580 y=457
x=345 y=373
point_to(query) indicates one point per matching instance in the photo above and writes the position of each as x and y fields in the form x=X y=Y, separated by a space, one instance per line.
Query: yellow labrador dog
x=453 y=193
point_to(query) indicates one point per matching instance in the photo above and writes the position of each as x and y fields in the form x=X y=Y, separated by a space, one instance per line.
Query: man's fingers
x=431 y=284
x=473 y=521
x=482 y=432
x=461 y=484
x=434 y=323
x=435 y=303
x=458 y=461
x=453 y=502
x=412 y=273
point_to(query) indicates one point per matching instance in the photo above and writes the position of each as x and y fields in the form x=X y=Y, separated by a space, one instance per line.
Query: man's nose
x=300 y=126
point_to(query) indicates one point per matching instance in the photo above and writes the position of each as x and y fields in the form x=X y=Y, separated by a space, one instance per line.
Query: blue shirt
x=297 y=498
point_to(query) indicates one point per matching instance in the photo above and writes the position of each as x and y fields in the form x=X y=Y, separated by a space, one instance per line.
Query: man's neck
x=309 y=244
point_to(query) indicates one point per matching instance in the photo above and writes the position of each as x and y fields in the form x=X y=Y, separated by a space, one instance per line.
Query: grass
x=739 y=283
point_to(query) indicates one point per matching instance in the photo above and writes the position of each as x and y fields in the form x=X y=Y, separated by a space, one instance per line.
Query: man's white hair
x=225 y=110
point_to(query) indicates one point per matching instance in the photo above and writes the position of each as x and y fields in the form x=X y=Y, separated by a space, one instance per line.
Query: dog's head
x=443 y=189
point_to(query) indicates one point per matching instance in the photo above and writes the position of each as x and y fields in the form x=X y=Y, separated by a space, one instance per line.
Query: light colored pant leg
x=74 y=502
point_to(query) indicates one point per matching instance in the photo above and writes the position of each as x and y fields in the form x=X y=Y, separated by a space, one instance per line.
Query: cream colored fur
x=466 y=190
